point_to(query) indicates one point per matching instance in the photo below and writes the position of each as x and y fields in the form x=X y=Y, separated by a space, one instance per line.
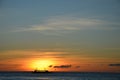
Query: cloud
x=16 y=54
x=62 y=24
x=63 y=66
x=114 y=64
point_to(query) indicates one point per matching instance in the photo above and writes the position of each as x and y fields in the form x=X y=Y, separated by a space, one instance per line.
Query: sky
x=65 y=35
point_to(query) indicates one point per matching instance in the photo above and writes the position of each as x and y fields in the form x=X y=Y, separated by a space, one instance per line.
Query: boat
x=40 y=71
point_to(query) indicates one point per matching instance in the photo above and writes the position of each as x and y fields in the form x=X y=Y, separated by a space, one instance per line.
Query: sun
x=41 y=64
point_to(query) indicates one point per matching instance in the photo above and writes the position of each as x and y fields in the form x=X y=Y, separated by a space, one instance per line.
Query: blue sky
x=80 y=20
x=84 y=27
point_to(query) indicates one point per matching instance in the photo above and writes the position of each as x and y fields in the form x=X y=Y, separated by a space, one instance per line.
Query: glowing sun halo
x=41 y=64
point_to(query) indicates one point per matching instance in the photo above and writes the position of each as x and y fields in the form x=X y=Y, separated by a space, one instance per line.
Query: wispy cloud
x=16 y=54
x=63 y=24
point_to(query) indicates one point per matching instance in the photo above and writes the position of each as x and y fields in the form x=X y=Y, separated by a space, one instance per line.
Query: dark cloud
x=62 y=66
x=50 y=66
x=114 y=64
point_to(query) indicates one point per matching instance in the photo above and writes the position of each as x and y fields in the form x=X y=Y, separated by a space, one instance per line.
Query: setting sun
x=41 y=64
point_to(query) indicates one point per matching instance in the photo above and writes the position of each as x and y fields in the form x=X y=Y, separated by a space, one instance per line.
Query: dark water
x=58 y=76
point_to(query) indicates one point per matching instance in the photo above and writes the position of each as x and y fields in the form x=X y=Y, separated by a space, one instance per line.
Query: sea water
x=58 y=76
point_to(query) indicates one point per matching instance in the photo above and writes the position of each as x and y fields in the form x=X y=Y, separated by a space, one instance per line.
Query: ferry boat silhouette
x=40 y=71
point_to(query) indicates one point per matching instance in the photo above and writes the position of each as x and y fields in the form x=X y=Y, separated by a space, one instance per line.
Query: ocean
x=59 y=76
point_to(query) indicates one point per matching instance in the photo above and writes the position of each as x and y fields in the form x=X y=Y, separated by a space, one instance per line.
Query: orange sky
x=30 y=60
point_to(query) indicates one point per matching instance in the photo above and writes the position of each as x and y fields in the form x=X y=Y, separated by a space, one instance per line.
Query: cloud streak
x=63 y=66
x=16 y=54
x=66 y=24
x=114 y=64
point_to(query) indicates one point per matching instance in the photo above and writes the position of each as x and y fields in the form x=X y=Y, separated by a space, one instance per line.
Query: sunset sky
x=60 y=35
